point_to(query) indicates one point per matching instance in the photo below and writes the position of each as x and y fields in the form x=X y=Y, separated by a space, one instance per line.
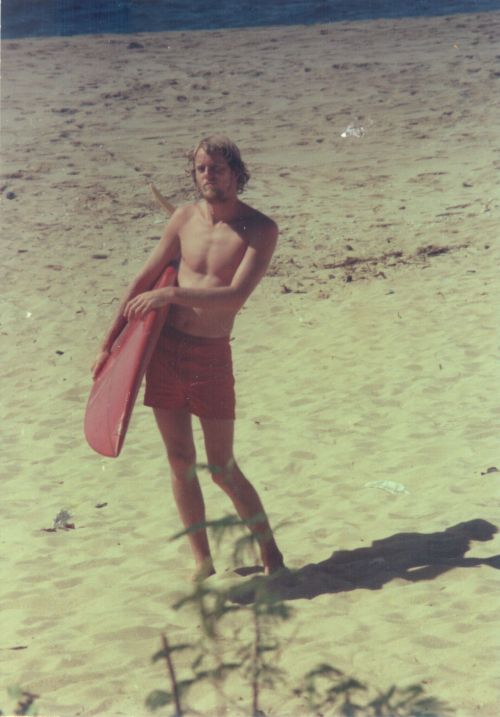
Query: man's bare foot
x=272 y=558
x=203 y=571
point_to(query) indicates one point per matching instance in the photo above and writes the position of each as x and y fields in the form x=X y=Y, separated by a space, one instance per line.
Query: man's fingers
x=137 y=308
x=140 y=305
x=130 y=310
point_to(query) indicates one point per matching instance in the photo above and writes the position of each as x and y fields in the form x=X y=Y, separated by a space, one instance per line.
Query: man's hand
x=142 y=304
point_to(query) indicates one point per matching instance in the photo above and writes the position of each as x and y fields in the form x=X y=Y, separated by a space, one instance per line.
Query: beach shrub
x=248 y=645
x=25 y=702
x=328 y=691
x=251 y=652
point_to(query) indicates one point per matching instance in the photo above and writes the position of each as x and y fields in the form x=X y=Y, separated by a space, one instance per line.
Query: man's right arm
x=167 y=250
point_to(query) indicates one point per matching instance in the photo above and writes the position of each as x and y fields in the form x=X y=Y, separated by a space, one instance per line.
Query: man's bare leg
x=177 y=433
x=219 y=436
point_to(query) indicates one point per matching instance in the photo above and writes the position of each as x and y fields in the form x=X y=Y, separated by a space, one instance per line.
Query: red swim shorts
x=191 y=372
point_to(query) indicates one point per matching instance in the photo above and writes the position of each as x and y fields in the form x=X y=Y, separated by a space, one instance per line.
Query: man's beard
x=213 y=194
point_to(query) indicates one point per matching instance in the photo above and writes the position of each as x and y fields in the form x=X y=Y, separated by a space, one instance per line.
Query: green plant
x=252 y=651
x=250 y=655
x=25 y=701
x=229 y=526
x=328 y=691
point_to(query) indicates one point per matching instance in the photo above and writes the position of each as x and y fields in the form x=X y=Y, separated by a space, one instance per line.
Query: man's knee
x=182 y=459
x=222 y=469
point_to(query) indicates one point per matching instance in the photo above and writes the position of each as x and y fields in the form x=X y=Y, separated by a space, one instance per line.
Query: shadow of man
x=410 y=556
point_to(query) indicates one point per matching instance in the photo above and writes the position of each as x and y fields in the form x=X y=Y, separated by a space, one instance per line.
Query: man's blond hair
x=219 y=144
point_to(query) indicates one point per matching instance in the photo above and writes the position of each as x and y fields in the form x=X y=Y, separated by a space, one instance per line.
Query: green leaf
x=267 y=648
x=347 y=686
x=158 y=699
x=350 y=710
x=246 y=545
x=429 y=707
x=227 y=523
x=196 y=597
x=162 y=654
x=269 y=675
x=218 y=673
x=324 y=670
x=184 y=685
x=15 y=693
x=268 y=605
x=197 y=662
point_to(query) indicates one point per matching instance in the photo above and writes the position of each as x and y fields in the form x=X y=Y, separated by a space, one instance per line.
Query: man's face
x=214 y=178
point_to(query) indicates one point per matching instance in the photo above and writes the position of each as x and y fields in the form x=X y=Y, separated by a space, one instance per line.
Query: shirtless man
x=224 y=247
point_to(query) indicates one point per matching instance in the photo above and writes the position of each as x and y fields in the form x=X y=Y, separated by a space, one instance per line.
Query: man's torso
x=210 y=256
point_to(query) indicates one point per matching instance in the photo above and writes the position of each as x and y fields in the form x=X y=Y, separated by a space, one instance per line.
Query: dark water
x=30 y=18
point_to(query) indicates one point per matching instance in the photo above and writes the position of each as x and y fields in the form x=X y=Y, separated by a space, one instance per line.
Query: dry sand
x=367 y=354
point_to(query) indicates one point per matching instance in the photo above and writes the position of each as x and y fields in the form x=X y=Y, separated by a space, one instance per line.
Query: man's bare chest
x=212 y=250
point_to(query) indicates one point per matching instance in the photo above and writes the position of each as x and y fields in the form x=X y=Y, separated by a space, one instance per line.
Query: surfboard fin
x=162 y=201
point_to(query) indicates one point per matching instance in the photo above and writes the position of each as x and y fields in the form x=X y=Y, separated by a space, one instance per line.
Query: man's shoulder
x=260 y=223
x=182 y=216
x=185 y=211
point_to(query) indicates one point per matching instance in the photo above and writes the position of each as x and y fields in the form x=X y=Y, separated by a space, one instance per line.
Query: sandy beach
x=366 y=361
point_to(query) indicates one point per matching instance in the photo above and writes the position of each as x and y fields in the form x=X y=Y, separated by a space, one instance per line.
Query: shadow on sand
x=409 y=556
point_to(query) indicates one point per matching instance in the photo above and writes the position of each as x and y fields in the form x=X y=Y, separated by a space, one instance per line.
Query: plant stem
x=255 y=670
x=171 y=675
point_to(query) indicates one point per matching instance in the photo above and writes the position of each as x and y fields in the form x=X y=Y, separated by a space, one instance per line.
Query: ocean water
x=31 y=18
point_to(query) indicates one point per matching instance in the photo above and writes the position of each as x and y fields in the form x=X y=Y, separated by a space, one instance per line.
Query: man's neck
x=226 y=211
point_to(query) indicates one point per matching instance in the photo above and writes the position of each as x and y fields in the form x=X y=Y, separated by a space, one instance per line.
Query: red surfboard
x=115 y=389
